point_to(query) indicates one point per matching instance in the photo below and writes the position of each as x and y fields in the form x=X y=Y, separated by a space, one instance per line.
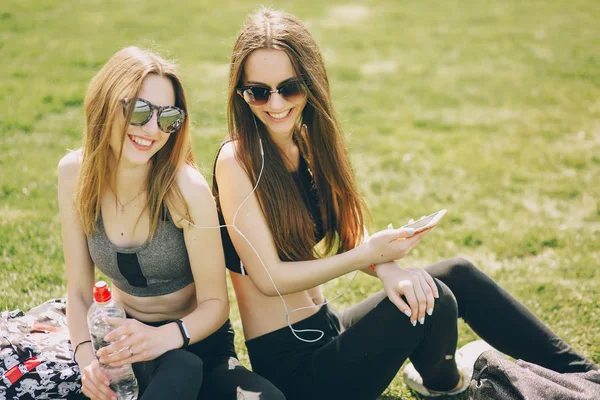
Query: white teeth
x=140 y=141
x=280 y=115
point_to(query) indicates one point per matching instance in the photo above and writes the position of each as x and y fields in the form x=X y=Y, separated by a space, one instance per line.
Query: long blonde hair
x=321 y=144
x=121 y=77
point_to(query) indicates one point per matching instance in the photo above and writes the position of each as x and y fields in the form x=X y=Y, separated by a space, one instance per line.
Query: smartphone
x=427 y=222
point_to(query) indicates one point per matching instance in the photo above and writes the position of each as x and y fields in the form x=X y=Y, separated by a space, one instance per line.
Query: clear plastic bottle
x=122 y=379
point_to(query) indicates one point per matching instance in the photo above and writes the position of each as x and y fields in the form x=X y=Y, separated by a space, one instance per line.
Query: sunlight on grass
x=348 y=15
x=13 y=215
x=490 y=110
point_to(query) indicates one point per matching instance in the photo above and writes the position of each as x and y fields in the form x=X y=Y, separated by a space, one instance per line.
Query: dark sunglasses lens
x=141 y=112
x=170 y=119
x=292 y=89
x=256 y=95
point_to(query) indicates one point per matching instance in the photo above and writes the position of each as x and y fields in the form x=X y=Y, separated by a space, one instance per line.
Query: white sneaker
x=465 y=360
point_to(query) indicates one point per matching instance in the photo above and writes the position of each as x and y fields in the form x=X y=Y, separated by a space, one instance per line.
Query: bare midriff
x=263 y=314
x=158 y=308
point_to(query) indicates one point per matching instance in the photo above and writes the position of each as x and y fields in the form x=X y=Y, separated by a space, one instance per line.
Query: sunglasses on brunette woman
x=257 y=95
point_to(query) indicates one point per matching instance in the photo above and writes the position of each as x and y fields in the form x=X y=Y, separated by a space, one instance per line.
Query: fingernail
x=410 y=231
x=414 y=322
x=407 y=313
x=107 y=383
x=430 y=311
x=422 y=320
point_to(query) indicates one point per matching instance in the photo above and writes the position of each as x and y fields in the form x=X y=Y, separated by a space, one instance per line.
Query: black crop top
x=310 y=196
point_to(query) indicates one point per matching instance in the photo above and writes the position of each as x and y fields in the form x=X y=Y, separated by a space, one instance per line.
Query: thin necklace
x=129 y=202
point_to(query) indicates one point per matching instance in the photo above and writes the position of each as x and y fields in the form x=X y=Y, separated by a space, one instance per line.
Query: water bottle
x=122 y=379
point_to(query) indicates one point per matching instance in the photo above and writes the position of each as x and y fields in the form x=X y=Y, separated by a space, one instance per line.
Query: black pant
x=207 y=370
x=503 y=321
x=362 y=350
x=365 y=345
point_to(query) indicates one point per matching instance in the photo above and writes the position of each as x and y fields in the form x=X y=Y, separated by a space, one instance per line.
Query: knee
x=463 y=270
x=192 y=363
x=186 y=363
x=446 y=304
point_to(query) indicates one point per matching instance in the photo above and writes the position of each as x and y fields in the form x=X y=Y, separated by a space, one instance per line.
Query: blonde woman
x=286 y=189
x=127 y=199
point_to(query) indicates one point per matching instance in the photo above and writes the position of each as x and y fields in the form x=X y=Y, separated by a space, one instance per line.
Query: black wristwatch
x=184 y=332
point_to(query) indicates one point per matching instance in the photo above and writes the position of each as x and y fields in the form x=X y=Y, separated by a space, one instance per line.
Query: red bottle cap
x=101 y=292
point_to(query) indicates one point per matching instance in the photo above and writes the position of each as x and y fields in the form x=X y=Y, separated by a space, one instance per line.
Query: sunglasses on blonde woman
x=257 y=95
x=170 y=118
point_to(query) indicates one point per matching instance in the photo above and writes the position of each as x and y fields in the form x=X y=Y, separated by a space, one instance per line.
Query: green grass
x=487 y=109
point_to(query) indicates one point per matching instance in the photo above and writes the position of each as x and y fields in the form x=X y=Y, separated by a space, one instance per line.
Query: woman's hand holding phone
x=391 y=244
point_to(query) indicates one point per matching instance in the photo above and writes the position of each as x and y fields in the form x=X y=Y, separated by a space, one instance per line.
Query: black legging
x=365 y=345
x=206 y=370
x=503 y=321
x=360 y=361
x=181 y=375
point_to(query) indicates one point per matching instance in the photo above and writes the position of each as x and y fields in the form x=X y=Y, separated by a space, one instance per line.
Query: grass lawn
x=488 y=109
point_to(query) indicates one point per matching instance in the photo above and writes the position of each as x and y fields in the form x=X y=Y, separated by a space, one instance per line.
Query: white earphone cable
x=235 y=228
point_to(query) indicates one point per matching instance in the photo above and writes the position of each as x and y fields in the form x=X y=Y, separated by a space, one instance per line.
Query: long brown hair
x=122 y=77
x=319 y=138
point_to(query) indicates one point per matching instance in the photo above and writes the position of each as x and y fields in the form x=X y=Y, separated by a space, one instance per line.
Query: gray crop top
x=157 y=267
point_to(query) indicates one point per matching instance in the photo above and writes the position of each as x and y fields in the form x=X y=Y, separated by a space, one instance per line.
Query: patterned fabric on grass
x=36 y=357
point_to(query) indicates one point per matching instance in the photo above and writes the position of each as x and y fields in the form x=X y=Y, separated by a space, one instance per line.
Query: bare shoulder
x=193 y=186
x=69 y=165
x=227 y=164
x=228 y=150
x=68 y=170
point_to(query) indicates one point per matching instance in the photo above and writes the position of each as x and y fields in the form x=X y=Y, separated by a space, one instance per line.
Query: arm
x=80 y=279
x=290 y=277
x=367 y=270
x=78 y=263
x=206 y=258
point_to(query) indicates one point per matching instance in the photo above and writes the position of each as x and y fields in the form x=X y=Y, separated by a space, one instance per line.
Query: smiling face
x=270 y=68
x=142 y=142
